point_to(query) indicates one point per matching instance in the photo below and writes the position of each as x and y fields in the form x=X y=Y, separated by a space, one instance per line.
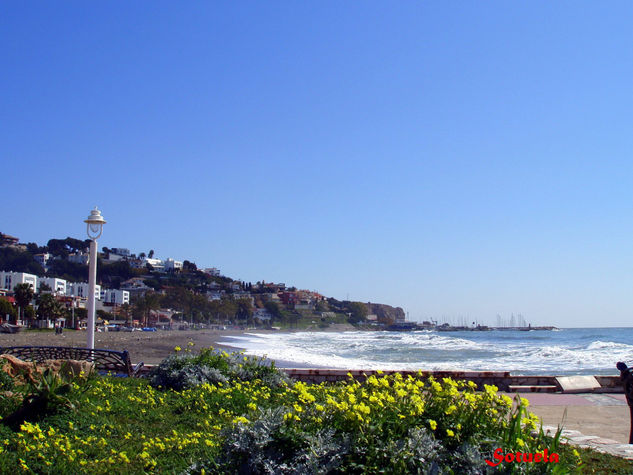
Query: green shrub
x=6 y=382
x=186 y=370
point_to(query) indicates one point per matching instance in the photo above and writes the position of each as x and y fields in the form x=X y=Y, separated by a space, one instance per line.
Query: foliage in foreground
x=386 y=424
x=184 y=370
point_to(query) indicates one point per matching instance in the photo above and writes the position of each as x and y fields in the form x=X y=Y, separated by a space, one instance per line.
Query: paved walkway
x=598 y=421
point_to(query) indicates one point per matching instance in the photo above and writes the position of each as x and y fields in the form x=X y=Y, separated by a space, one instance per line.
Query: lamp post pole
x=94 y=226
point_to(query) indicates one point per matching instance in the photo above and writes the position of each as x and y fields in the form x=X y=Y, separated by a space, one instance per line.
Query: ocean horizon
x=564 y=351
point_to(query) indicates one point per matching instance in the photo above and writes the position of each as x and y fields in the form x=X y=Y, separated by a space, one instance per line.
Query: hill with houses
x=141 y=289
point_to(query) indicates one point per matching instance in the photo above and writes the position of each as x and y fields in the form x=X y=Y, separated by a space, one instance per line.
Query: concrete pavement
x=599 y=421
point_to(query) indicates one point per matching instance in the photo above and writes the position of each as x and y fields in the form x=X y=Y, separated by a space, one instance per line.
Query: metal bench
x=105 y=361
x=626 y=376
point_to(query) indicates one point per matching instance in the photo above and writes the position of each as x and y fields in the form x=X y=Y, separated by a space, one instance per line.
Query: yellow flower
x=432 y=424
x=177 y=348
x=450 y=433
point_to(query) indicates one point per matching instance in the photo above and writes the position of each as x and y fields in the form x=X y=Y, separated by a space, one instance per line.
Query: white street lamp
x=94 y=227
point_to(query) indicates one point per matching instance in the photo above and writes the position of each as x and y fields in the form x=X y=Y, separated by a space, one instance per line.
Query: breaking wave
x=570 y=351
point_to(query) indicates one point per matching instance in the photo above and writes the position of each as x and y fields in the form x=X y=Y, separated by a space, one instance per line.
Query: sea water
x=565 y=351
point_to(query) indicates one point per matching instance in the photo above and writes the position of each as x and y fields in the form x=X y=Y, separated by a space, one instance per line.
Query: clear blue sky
x=453 y=158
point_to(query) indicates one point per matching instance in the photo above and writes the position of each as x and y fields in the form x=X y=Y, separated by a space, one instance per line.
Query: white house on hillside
x=80 y=258
x=116 y=297
x=157 y=264
x=172 y=265
x=82 y=289
x=10 y=280
x=58 y=286
x=42 y=259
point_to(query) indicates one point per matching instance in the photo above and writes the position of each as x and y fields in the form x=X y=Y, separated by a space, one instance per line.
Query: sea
x=581 y=351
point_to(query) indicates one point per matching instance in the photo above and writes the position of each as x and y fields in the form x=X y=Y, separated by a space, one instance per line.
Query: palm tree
x=48 y=308
x=23 y=294
x=144 y=305
x=126 y=309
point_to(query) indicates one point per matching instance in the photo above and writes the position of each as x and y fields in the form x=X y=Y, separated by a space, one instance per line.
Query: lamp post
x=94 y=228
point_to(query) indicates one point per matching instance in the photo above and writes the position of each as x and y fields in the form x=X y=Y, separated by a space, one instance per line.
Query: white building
x=79 y=258
x=213 y=271
x=58 y=286
x=120 y=251
x=112 y=257
x=215 y=294
x=116 y=297
x=157 y=264
x=82 y=289
x=172 y=265
x=136 y=287
x=10 y=280
x=42 y=259
x=262 y=315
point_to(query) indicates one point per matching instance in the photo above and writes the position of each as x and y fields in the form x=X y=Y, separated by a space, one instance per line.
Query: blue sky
x=456 y=159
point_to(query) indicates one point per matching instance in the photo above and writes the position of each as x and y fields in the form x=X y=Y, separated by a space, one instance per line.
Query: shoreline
x=152 y=347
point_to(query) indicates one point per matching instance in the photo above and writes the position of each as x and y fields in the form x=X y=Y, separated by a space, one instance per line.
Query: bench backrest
x=104 y=360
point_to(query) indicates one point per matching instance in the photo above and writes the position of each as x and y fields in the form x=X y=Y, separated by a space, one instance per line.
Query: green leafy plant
x=186 y=370
x=6 y=382
x=42 y=395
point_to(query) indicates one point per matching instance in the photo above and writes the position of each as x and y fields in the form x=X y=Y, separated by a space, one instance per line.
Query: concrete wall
x=502 y=379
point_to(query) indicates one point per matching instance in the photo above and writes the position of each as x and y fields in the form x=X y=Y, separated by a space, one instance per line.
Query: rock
x=25 y=370
x=386 y=313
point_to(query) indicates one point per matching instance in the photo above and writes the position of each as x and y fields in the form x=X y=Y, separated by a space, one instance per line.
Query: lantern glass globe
x=95 y=224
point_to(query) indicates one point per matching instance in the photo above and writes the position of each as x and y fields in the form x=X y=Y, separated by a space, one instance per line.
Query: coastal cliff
x=386 y=313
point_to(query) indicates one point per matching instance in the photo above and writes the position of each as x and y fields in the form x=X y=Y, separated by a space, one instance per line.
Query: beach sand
x=148 y=347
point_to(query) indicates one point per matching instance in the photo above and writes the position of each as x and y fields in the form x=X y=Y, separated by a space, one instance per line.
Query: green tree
x=48 y=308
x=274 y=309
x=7 y=310
x=44 y=287
x=80 y=314
x=29 y=313
x=126 y=311
x=19 y=261
x=23 y=294
x=227 y=309
x=244 y=309
x=358 y=311
x=213 y=307
x=151 y=254
x=189 y=266
x=144 y=305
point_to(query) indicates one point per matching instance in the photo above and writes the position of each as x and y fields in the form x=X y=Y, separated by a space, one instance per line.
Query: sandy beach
x=148 y=347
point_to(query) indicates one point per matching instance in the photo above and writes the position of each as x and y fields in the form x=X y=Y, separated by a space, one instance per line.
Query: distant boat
x=8 y=328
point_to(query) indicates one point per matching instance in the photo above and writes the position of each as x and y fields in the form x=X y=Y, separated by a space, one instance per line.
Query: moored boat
x=9 y=328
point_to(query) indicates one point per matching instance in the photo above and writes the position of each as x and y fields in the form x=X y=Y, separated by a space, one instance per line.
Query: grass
x=597 y=462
